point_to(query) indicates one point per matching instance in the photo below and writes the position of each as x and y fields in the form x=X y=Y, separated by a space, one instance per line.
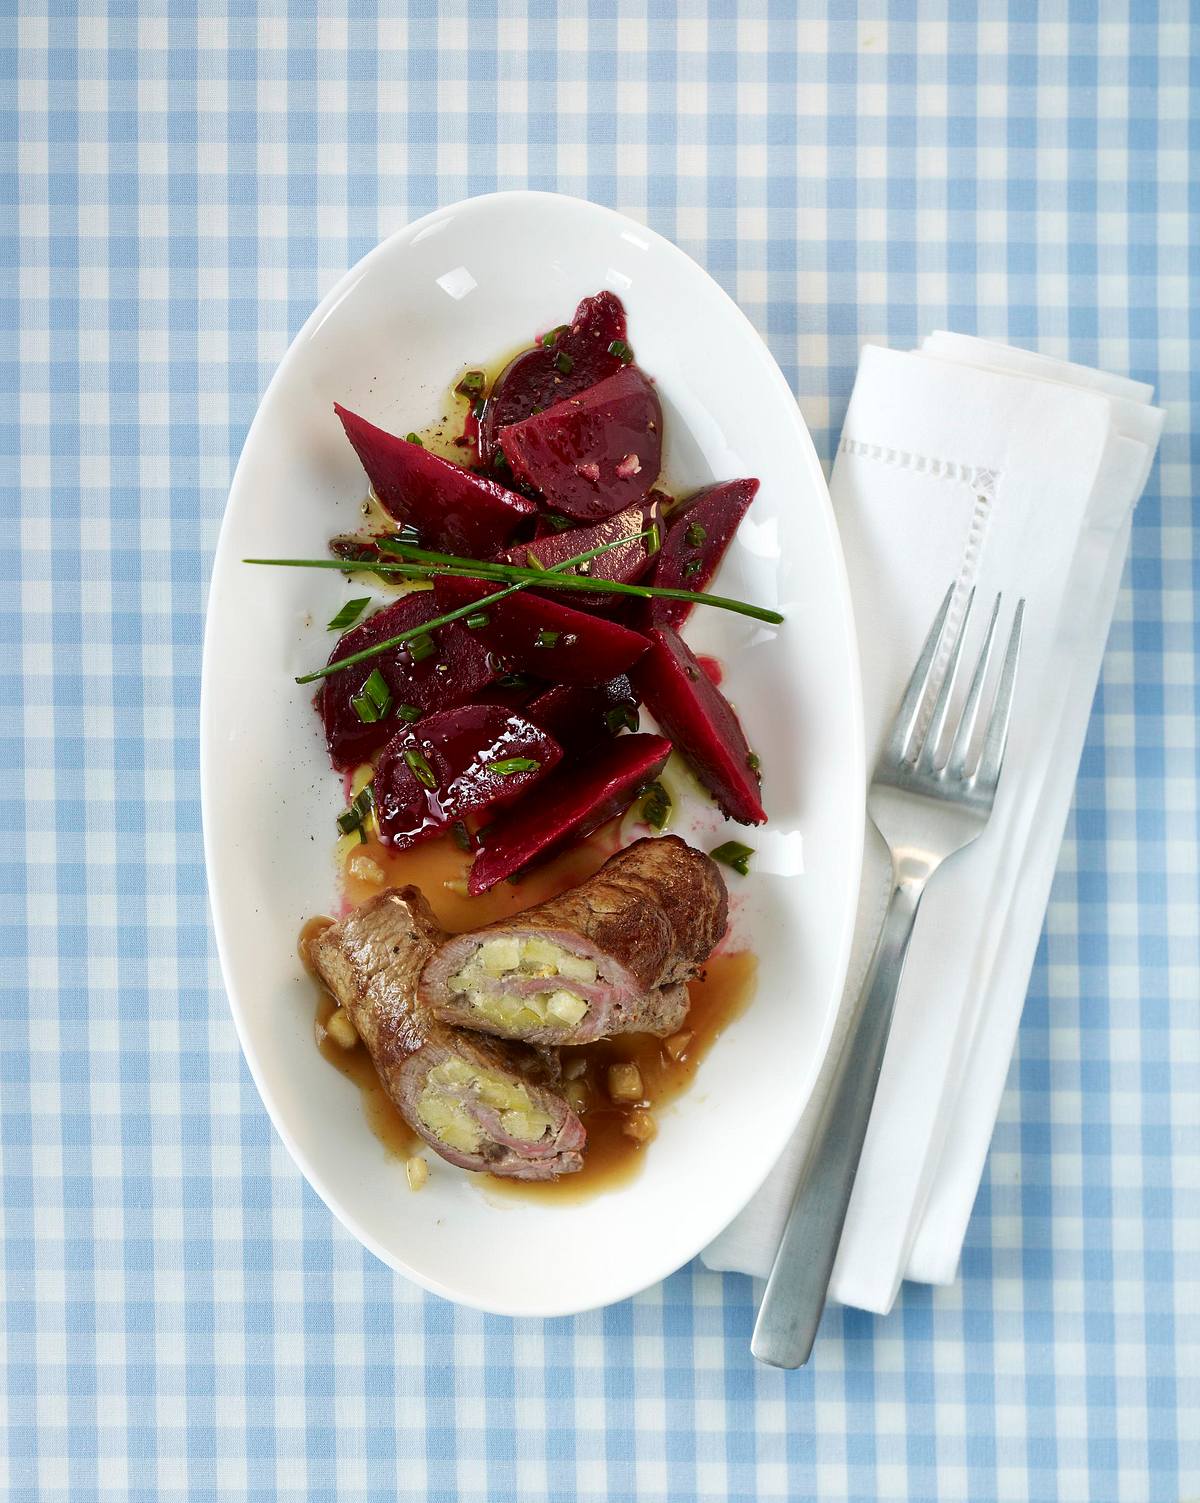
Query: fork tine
x=956 y=763
x=937 y=722
x=988 y=773
x=910 y=706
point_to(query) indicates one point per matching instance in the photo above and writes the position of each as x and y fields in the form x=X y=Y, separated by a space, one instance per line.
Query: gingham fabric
x=181 y=1316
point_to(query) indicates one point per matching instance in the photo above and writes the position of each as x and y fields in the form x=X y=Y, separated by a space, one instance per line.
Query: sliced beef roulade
x=477 y=1103
x=613 y=955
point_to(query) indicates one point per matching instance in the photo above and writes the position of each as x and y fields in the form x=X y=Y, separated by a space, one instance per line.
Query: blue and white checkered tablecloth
x=181 y=1316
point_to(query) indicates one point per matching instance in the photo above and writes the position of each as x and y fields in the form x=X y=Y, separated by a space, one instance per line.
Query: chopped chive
x=374 y=699
x=477 y=410
x=500 y=460
x=560 y=524
x=508 y=765
x=621 y=350
x=409 y=713
x=621 y=718
x=654 y=541
x=461 y=835
x=656 y=806
x=693 y=566
x=546 y=638
x=753 y=761
x=551 y=339
x=733 y=853
x=479 y=620
x=532 y=561
x=695 y=534
x=415 y=438
x=349 y=613
x=356 y=816
x=421 y=769
x=471 y=384
x=535 y=410
x=516 y=681
x=422 y=647
x=564 y=363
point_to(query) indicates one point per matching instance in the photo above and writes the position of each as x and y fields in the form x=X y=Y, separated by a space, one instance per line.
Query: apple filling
x=510 y=956
x=450 y=1090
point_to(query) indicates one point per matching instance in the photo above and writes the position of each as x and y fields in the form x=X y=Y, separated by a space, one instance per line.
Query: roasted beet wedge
x=699 y=533
x=454 y=763
x=701 y=723
x=626 y=563
x=568 y=806
x=452 y=509
x=551 y=641
x=595 y=453
x=537 y=378
x=581 y=717
x=456 y=671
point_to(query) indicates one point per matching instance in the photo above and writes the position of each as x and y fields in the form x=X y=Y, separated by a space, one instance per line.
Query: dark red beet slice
x=551 y=641
x=567 y=807
x=580 y=717
x=701 y=723
x=536 y=378
x=457 y=751
x=456 y=672
x=696 y=540
x=625 y=564
x=452 y=509
x=595 y=453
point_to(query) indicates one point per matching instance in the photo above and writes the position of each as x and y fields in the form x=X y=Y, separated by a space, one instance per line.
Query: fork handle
x=795 y=1294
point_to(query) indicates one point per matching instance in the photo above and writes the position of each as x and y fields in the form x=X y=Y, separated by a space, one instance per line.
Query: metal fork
x=925 y=809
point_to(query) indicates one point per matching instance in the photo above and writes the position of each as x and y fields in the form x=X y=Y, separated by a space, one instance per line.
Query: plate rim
x=327 y=1193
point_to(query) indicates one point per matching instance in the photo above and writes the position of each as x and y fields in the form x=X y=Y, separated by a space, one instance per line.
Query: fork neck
x=912 y=868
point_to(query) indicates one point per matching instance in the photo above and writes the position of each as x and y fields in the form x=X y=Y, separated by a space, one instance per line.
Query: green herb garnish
x=693 y=566
x=551 y=339
x=654 y=540
x=695 y=534
x=508 y=765
x=733 y=853
x=410 y=713
x=421 y=769
x=478 y=621
x=349 y=613
x=421 y=646
x=621 y=718
x=656 y=806
x=516 y=681
x=564 y=363
x=357 y=815
x=461 y=835
x=621 y=350
x=546 y=638
x=415 y=438
x=373 y=700
x=471 y=384
x=753 y=761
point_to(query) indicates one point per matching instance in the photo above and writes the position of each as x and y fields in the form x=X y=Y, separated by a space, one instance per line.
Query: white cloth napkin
x=1005 y=471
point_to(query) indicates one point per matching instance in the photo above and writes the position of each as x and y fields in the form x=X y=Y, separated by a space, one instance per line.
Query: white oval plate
x=461 y=286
